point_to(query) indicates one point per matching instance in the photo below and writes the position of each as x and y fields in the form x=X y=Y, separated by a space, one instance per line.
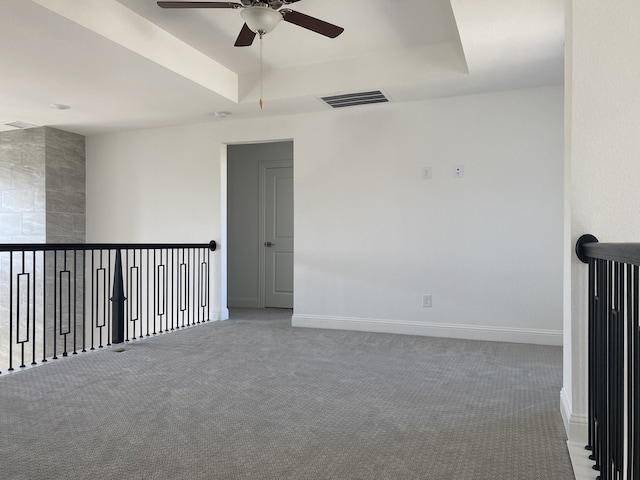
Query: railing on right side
x=61 y=299
x=613 y=356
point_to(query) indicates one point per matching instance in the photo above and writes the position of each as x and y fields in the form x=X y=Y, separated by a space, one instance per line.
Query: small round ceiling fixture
x=59 y=106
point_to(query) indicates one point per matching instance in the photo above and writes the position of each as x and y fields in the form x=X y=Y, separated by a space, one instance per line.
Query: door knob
x=269 y=244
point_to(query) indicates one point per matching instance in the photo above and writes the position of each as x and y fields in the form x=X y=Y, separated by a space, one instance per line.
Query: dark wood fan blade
x=199 y=5
x=246 y=37
x=311 y=23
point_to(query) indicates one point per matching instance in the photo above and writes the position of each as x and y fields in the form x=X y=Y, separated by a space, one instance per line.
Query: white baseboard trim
x=576 y=426
x=577 y=432
x=565 y=411
x=218 y=315
x=468 y=332
x=582 y=466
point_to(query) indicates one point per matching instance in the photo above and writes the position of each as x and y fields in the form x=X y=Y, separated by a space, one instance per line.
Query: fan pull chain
x=261 y=73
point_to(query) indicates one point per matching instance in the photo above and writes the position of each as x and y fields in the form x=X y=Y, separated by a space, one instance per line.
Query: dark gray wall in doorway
x=243 y=214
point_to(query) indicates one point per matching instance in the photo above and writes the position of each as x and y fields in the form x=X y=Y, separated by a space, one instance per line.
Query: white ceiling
x=125 y=64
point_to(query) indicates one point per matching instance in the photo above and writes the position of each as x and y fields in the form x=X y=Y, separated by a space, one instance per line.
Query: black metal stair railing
x=61 y=299
x=613 y=356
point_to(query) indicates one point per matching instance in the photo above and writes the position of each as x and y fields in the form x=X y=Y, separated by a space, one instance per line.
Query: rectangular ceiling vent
x=353 y=99
x=19 y=124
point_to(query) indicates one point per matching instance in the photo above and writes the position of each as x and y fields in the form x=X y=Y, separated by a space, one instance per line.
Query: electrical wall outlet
x=458 y=171
x=426 y=300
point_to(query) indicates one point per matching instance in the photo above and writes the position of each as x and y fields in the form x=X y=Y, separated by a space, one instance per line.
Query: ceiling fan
x=262 y=16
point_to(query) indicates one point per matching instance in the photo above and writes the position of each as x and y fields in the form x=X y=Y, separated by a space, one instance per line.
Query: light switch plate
x=426 y=300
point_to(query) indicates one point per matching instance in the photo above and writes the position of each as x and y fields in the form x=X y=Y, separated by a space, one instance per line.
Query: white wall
x=603 y=147
x=371 y=235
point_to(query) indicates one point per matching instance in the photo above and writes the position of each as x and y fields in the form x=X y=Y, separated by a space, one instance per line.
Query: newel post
x=117 y=299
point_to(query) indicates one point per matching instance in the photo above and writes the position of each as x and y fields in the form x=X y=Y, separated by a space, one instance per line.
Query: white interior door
x=278 y=234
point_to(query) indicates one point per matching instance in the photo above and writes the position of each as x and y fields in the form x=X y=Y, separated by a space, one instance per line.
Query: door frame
x=263 y=166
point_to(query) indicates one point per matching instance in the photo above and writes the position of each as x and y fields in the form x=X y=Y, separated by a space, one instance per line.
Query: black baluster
x=75 y=299
x=197 y=280
x=126 y=320
x=55 y=303
x=155 y=291
x=118 y=299
x=108 y=318
x=10 y=311
x=173 y=282
x=19 y=313
x=212 y=247
x=634 y=384
x=64 y=332
x=148 y=280
x=591 y=357
x=183 y=286
x=44 y=306
x=619 y=457
x=84 y=300
x=35 y=294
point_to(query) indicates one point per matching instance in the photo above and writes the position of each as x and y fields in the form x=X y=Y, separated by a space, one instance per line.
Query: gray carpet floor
x=254 y=398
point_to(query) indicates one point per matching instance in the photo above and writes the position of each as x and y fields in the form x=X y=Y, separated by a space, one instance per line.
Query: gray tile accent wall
x=65 y=187
x=22 y=186
x=42 y=186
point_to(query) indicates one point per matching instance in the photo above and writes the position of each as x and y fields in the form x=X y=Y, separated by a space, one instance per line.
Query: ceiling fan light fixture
x=261 y=18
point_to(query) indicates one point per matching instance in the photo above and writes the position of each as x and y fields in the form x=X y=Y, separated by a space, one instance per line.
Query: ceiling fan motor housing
x=260 y=18
x=275 y=4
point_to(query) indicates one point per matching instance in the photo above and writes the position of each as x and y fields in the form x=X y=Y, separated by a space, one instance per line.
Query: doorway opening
x=260 y=225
